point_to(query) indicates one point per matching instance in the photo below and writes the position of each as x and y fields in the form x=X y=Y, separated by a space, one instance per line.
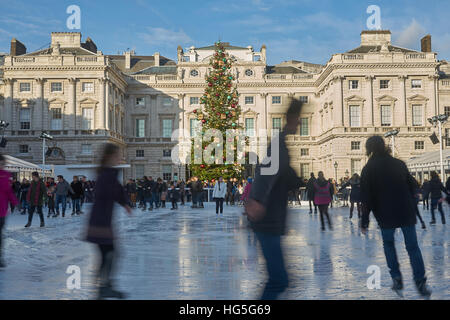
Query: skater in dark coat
x=100 y=230
x=35 y=197
x=267 y=206
x=387 y=189
x=77 y=194
x=174 y=196
x=435 y=190
x=310 y=193
x=355 y=194
x=417 y=193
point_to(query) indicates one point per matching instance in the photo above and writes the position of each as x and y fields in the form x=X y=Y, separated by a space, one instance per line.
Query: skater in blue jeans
x=266 y=207
x=388 y=189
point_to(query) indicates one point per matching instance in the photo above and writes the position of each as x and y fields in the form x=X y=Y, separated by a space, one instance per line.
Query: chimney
x=127 y=59
x=17 y=48
x=156 y=56
x=375 y=38
x=426 y=43
x=263 y=53
x=179 y=53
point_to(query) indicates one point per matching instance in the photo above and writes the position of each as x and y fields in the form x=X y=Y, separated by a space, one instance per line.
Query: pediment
x=249 y=112
x=25 y=102
x=88 y=101
x=355 y=98
x=386 y=97
x=56 y=101
x=418 y=97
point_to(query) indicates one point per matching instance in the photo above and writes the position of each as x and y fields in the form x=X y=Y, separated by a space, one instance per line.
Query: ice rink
x=192 y=254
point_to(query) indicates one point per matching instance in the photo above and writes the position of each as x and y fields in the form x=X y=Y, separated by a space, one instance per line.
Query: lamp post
x=335 y=171
x=392 y=134
x=44 y=136
x=439 y=120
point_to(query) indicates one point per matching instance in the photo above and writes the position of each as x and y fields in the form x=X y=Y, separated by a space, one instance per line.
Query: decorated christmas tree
x=220 y=112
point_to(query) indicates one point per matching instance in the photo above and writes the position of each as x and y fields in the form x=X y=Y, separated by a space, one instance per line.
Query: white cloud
x=410 y=36
x=161 y=36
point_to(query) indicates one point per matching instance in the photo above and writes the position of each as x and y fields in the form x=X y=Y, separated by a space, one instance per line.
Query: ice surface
x=192 y=254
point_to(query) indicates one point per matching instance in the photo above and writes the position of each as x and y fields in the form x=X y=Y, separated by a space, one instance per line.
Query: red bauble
x=202 y=166
x=233 y=105
x=217 y=94
x=195 y=110
x=203 y=120
x=210 y=84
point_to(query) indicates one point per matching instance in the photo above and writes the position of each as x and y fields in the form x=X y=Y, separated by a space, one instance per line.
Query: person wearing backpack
x=323 y=195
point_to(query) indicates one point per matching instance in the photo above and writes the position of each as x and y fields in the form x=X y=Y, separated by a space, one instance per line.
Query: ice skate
x=109 y=292
x=423 y=289
x=397 y=287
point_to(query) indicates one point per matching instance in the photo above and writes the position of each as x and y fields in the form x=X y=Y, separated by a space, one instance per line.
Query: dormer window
x=186 y=59
x=256 y=58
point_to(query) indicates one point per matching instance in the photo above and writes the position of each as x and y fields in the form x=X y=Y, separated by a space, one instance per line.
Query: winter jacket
x=63 y=188
x=196 y=187
x=310 y=188
x=77 y=190
x=246 y=193
x=323 y=192
x=220 y=189
x=174 y=195
x=355 y=194
x=131 y=188
x=6 y=193
x=36 y=193
x=108 y=191
x=24 y=190
x=387 y=189
x=435 y=188
x=272 y=191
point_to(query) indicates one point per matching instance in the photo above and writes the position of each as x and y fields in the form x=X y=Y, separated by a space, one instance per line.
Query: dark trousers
x=278 y=278
x=425 y=201
x=435 y=203
x=219 y=204
x=106 y=264
x=412 y=247
x=311 y=203
x=358 y=207
x=323 y=209
x=38 y=209
x=174 y=204
x=2 y=224
x=76 y=205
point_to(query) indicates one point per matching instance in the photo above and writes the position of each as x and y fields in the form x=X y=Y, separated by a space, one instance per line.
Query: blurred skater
x=35 y=197
x=100 y=231
x=220 y=190
x=323 y=196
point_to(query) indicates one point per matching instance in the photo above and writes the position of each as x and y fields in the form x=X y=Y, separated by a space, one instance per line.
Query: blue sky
x=308 y=30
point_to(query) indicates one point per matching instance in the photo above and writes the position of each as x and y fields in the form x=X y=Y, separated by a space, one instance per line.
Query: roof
x=283 y=70
x=226 y=45
x=16 y=165
x=429 y=158
x=159 y=70
x=79 y=51
x=368 y=49
x=139 y=63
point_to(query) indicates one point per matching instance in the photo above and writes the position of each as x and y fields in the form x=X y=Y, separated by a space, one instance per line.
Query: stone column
x=266 y=115
x=73 y=104
x=99 y=122
x=435 y=78
x=8 y=104
x=38 y=112
x=370 y=112
x=106 y=108
x=403 y=108
x=181 y=113
x=339 y=98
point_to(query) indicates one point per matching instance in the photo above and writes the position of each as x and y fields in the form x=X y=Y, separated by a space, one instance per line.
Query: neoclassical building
x=85 y=98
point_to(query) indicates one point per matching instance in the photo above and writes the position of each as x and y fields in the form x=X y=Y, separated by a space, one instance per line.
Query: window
x=304 y=152
x=354 y=116
x=386 y=116
x=25 y=87
x=256 y=58
x=447 y=111
x=140 y=101
x=416 y=84
x=139 y=153
x=193 y=100
x=304 y=127
x=23 y=148
x=249 y=100
x=248 y=73
x=140 y=128
x=304 y=99
x=276 y=99
x=86 y=149
x=193 y=126
x=250 y=127
x=186 y=59
x=167 y=172
x=305 y=171
x=276 y=123
x=355 y=166
x=447 y=138
x=139 y=171
x=417 y=115
x=167 y=152
x=384 y=84
x=167 y=101
x=87 y=87
x=419 y=145
x=56 y=87
x=56 y=119
x=353 y=84
x=167 y=128
x=194 y=73
x=88 y=117
x=25 y=118
x=355 y=145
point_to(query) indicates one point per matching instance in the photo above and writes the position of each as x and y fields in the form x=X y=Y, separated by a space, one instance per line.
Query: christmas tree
x=220 y=112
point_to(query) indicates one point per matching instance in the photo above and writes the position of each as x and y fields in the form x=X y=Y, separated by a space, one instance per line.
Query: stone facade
x=85 y=98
